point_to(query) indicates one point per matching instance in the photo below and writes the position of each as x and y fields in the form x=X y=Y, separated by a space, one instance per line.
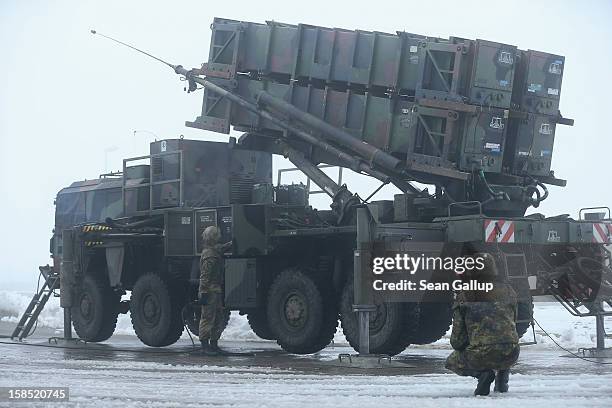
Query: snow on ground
x=152 y=384
x=570 y=331
x=112 y=376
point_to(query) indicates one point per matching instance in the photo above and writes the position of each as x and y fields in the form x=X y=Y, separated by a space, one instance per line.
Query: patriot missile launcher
x=474 y=119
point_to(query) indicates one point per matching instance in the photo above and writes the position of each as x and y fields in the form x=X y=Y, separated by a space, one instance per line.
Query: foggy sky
x=70 y=102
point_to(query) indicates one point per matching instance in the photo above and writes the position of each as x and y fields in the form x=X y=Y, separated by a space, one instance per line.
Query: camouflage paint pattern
x=484 y=332
x=361 y=82
x=212 y=320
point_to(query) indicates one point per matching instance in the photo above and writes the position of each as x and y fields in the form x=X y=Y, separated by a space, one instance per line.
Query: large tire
x=330 y=323
x=95 y=311
x=390 y=325
x=410 y=321
x=155 y=310
x=299 y=317
x=258 y=320
x=435 y=319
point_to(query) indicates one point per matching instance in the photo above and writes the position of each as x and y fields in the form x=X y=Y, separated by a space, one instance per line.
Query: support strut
x=343 y=201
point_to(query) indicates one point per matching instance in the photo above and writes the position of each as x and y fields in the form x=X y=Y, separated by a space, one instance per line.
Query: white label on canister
x=534 y=87
x=493 y=146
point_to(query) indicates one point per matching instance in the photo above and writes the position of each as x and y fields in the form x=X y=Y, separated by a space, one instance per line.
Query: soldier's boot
x=501 y=381
x=485 y=378
x=214 y=345
x=207 y=349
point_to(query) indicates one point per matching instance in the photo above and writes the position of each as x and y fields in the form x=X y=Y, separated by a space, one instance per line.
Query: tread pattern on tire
x=405 y=316
x=324 y=314
x=434 y=322
x=331 y=317
x=108 y=304
x=259 y=324
x=175 y=326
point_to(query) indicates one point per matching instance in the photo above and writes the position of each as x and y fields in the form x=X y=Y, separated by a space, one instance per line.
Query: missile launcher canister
x=447 y=108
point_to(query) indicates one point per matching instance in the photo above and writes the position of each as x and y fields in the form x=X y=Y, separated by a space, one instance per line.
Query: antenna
x=134 y=48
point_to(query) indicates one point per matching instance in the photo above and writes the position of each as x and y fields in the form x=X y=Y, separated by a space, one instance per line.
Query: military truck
x=475 y=120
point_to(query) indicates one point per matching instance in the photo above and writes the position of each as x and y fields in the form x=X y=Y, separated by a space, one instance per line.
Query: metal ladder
x=37 y=303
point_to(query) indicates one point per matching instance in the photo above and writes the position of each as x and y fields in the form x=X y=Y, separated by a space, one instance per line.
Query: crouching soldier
x=214 y=317
x=484 y=333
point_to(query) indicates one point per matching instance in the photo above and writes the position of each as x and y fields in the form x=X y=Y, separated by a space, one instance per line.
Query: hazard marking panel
x=602 y=233
x=499 y=231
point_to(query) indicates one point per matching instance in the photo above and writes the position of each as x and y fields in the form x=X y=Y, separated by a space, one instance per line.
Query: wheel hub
x=378 y=319
x=150 y=309
x=86 y=306
x=295 y=310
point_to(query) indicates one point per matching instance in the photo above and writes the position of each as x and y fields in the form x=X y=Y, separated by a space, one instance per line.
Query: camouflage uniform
x=484 y=333
x=214 y=317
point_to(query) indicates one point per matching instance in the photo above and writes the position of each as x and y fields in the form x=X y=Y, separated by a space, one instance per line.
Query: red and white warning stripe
x=602 y=233
x=499 y=231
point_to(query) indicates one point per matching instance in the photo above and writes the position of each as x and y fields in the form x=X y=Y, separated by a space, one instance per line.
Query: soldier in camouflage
x=484 y=333
x=214 y=317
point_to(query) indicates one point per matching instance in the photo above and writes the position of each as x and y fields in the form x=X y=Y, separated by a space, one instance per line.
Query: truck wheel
x=410 y=321
x=95 y=311
x=258 y=320
x=297 y=313
x=155 y=310
x=435 y=319
x=386 y=324
x=330 y=324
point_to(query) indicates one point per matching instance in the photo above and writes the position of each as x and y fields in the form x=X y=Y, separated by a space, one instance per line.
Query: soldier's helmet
x=211 y=236
x=490 y=268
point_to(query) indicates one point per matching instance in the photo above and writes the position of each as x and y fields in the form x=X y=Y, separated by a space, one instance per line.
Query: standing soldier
x=484 y=333
x=214 y=316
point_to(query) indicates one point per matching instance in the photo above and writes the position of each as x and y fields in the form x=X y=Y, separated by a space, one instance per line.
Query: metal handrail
x=592 y=208
x=151 y=183
x=465 y=204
